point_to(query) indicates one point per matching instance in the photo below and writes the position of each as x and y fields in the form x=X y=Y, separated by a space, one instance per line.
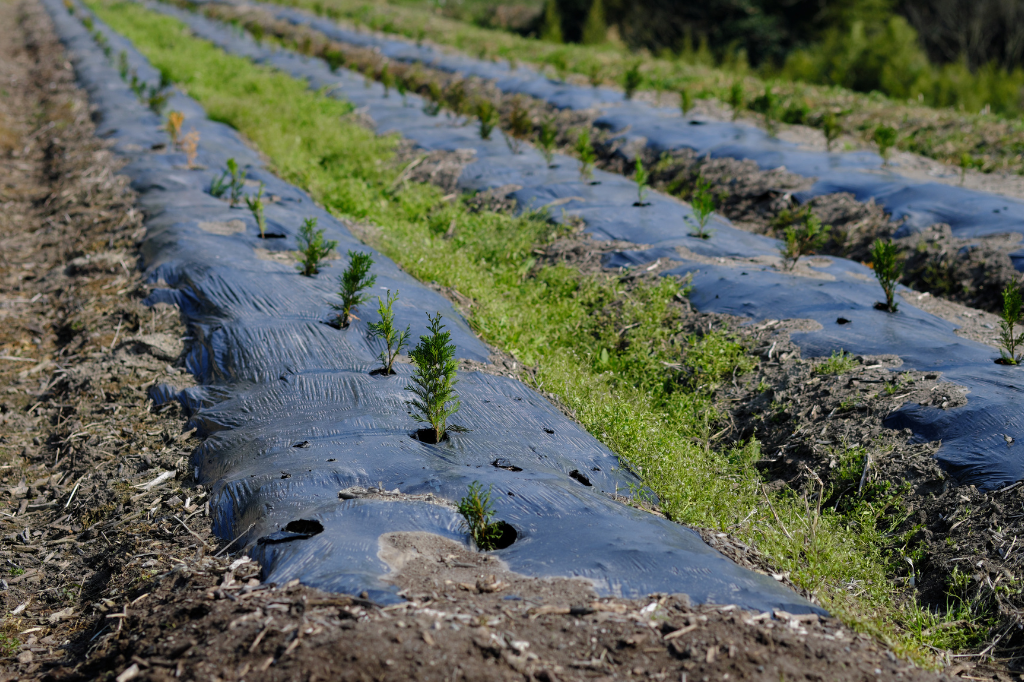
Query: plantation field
x=783 y=459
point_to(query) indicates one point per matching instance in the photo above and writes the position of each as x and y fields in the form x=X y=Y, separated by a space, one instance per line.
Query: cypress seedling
x=804 y=239
x=702 y=203
x=548 y=136
x=632 y=79
x=885 y=138
x=488 y=115
x=1011 y=340
x=353 y=282
x=586 y=153
x=887 y=270
x=642 y=178
x=255 y=204
x=394 y=339
x=434 y=379
x=477 y=511
x=832 y=129
x=313 y=247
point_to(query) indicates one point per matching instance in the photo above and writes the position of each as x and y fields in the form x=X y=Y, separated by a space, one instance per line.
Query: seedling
x=173 y=127
x=767 y=104
x=885 y=138
x=255 y=204
x=334 y=59
x=801 y=240
x=839 y=362
x=966 y=161
x=232 y=179
x=190 y=145
x=488 y=115
x=477 y=512
x=456 y=96
x=586 y=153
x=368 y=75
x=642 y=178
x=547 y=138
x=353 y=282
x=122 y=64
x=632 y=80
x=434 y=379
x=433 y=106
x=313 y=247
x=520 y=125
x=156 y=98
x=596 y=76
x=1011 y=340
x=702 y=203
x=736 y=98
x=830 y=126
x=685 y=100
x=394 y=339
x=387 y=80
x=887 y=270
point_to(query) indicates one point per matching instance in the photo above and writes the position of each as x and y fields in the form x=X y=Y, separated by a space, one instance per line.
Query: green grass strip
x=602 y=349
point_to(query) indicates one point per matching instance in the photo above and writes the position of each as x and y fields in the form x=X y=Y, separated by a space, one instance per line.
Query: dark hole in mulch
x=842 y=320
x=427 y=436
x=580 y=477
x=305 y=527
x=507 y=537
x=505 y=464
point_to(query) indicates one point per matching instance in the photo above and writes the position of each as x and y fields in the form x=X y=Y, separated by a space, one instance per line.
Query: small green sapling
x=632 y=80
x=387 y=80
x=233 y=180
x=702 y=203
x=642 y=178
x=548 y=136
x=394 y=339
x=434 y=379
x=353 y=282
x=596 y=76
x=832 y=129
x=488 y=115
x=888 y=269
x=313 y=247
x=1011 y=340
x=255 y=204
x=477 y=511
x=685 y=100
x=885 y=138
x=587 y=155
x=737 y=97
x=520 y=125
x=803 y=239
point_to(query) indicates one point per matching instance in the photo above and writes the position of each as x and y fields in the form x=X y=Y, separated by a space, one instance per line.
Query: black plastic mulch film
x=291 y=415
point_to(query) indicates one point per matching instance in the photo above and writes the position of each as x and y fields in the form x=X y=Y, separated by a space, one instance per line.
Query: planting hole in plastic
x=842 y=320
x=428 y=436
x=307 y=527
x=502 y=463
x=507 y=537
x=580 y=477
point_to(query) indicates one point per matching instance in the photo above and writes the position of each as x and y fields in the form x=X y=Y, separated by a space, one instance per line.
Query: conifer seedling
x=394 y=339
x=587 y=155
x=1011 y=339
x=122 y=64
x=832 y=129
x=702 y=203
x=255 y=204
x=477 y=511
x=313 y=247
x=519 y=124
x=885 y=138
x=642 y=178
x=236 y=181
x=190 y=146
x=353 y=282
x=432 y=107
x=173 y=127
x=888 y=269
x=685 y=100
x=434 y=379
x=387 y=80
x=632 y=80
x=736 y=98
x=596 y=75
x=548 y=136
x=488 y=115
x=804 y=239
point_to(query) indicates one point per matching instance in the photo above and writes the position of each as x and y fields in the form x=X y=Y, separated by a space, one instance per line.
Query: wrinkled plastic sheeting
x=290 y=414
x=973 y=448
x=969 y=213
